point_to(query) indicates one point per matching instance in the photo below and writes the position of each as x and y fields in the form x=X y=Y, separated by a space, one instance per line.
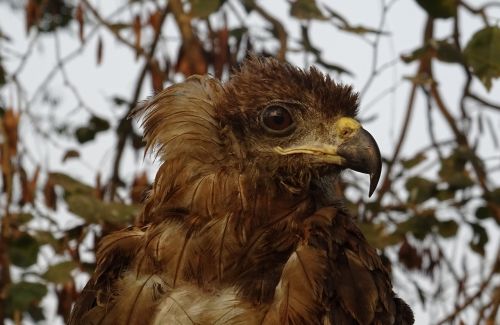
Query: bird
x=242 y=224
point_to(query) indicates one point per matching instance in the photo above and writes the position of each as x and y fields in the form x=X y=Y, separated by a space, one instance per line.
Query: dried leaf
x=49 y=194
x=99 y=51
x=99 y=189
x=72 y=153
x=157 y=76
x=409 y=256
x=221 y=52
x=191 y=59
x=28 y=186
x=10 y=122
x=79 y=14
x=66 y=296
x=155 y=21
x=137 y=34
x=32 y=11
x=139 y=187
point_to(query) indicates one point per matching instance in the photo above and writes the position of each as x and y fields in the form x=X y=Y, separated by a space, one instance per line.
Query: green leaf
x=98 y=124
x=118 y=213
x=55 y=14
x=412 y=162
x=47 y=238
x=93 y=210
x=483 y=213
x=362 y=30
x=138 y=141
x=483 y=54
x=378 y=236
x=84 y=134
x=119 y=26
x=417 y=54
x=494 y=196
x=85 y=206
x=420 y=189
x=21 y=218
x=24 y=295
x=419 y=225
x=453 y=170
x=88 y=267
x=36 y=313
x=448 y=52
x=60 y=273
x=448 y=228
x=69 y=184
x=23 y=250
x=203 y=8
x=3 y=80
x=238 y=32
x=305 y=9
x=480 y=238
x=444 y=195
x=119 y=101
x=439 y=8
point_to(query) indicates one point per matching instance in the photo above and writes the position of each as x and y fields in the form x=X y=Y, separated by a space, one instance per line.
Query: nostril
x=346 y=132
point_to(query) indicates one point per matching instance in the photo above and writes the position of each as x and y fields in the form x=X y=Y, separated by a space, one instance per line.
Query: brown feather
x=232 y=233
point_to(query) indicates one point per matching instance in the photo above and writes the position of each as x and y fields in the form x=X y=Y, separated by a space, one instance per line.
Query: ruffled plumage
x=226 y=239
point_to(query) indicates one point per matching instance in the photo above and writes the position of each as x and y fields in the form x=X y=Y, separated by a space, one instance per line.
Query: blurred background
x=73 y=165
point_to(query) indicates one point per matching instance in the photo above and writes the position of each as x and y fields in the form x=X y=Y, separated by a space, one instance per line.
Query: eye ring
x=277 y=119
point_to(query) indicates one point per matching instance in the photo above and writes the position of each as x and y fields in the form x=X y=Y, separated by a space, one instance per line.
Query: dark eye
x=277 y=119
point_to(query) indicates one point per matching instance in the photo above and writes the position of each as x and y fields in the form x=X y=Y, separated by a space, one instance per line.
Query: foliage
x=431 y=198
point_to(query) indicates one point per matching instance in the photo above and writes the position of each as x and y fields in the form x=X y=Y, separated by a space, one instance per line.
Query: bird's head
x=297 y=124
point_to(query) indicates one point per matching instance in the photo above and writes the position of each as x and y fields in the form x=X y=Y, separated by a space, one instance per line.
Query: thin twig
x=480 y=291
x=278 y=27
x=125 y=125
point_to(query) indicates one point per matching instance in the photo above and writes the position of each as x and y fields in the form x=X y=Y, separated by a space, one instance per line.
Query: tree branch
x=125 y=125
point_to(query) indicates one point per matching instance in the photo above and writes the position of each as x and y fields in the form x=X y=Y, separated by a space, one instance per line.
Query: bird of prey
x=242 y=225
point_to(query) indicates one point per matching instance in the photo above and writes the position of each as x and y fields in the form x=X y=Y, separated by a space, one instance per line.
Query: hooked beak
x=357 y=150
x=361 y=153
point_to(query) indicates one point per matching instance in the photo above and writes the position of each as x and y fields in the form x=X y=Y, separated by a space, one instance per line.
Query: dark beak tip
x=362 y=154
x=374 y=177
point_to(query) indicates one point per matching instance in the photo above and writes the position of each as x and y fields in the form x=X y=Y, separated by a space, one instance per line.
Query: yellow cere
x=347 y=123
